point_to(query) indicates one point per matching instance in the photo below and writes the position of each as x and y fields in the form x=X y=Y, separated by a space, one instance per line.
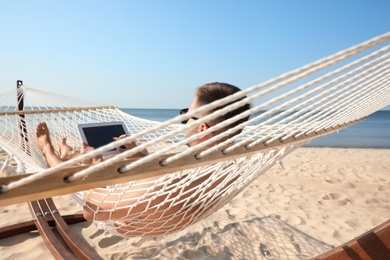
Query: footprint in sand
x=343 y=185
x=375 y=201
x=349 y=186
x=332 y=196
x=294 y=220
x=332 y=181
x=336 y=234
x=334 y=199
x=353 y=223
x=274 y=216
x=247 y=194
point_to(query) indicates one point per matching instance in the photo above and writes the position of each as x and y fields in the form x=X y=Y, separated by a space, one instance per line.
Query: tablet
x=100 y=134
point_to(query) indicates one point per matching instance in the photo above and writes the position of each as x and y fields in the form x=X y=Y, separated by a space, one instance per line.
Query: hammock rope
x=290 y=110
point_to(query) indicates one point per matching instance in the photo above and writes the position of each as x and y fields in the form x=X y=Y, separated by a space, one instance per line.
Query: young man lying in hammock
x=123 y=212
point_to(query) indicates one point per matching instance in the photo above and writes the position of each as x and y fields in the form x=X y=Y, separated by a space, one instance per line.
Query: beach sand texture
x=323 y=197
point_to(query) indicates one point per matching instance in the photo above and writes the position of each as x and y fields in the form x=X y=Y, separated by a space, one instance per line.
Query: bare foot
x=42 y=134
x=85 y=149
x=43 y=138
x=67 y=152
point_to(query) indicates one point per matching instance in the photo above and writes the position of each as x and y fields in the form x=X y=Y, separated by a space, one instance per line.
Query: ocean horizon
x=373 y=132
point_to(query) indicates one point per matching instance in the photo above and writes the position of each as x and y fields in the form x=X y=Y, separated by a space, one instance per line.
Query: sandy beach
x=323 y=197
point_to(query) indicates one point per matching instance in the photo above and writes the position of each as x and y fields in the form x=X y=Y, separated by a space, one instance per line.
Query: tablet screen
x=100 y=134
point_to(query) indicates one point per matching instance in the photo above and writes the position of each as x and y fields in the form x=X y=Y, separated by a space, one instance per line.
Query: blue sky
x=152 y=54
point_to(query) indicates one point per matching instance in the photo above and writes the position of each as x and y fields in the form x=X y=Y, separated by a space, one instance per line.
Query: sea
x=373 y=132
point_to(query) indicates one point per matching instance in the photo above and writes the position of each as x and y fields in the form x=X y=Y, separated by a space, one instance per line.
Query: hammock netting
x=175 y=186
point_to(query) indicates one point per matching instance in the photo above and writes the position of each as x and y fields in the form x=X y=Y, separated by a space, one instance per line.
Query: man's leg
x=43 y=138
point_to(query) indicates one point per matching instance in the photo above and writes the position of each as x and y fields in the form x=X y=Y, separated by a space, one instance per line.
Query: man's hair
x=217 y=90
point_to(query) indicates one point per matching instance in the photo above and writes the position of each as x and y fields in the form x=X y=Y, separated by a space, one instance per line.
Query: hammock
x=290 y=110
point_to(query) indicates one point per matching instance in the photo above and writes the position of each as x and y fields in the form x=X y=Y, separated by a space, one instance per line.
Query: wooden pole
x=22 y=121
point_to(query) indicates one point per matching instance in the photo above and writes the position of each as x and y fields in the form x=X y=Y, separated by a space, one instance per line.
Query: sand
x=322 y=198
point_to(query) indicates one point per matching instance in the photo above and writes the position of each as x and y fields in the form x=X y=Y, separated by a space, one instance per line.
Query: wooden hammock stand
x=374 y=244
x=46 y=219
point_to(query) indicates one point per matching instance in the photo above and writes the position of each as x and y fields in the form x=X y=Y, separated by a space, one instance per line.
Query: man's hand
x=129 y=146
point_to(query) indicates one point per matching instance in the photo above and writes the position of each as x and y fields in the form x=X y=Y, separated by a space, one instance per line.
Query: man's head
x=206 y=94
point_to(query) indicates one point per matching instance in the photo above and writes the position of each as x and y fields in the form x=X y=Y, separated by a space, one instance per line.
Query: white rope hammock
x=194 y=182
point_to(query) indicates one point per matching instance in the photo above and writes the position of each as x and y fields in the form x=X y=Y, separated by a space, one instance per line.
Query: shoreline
x=323 y=198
